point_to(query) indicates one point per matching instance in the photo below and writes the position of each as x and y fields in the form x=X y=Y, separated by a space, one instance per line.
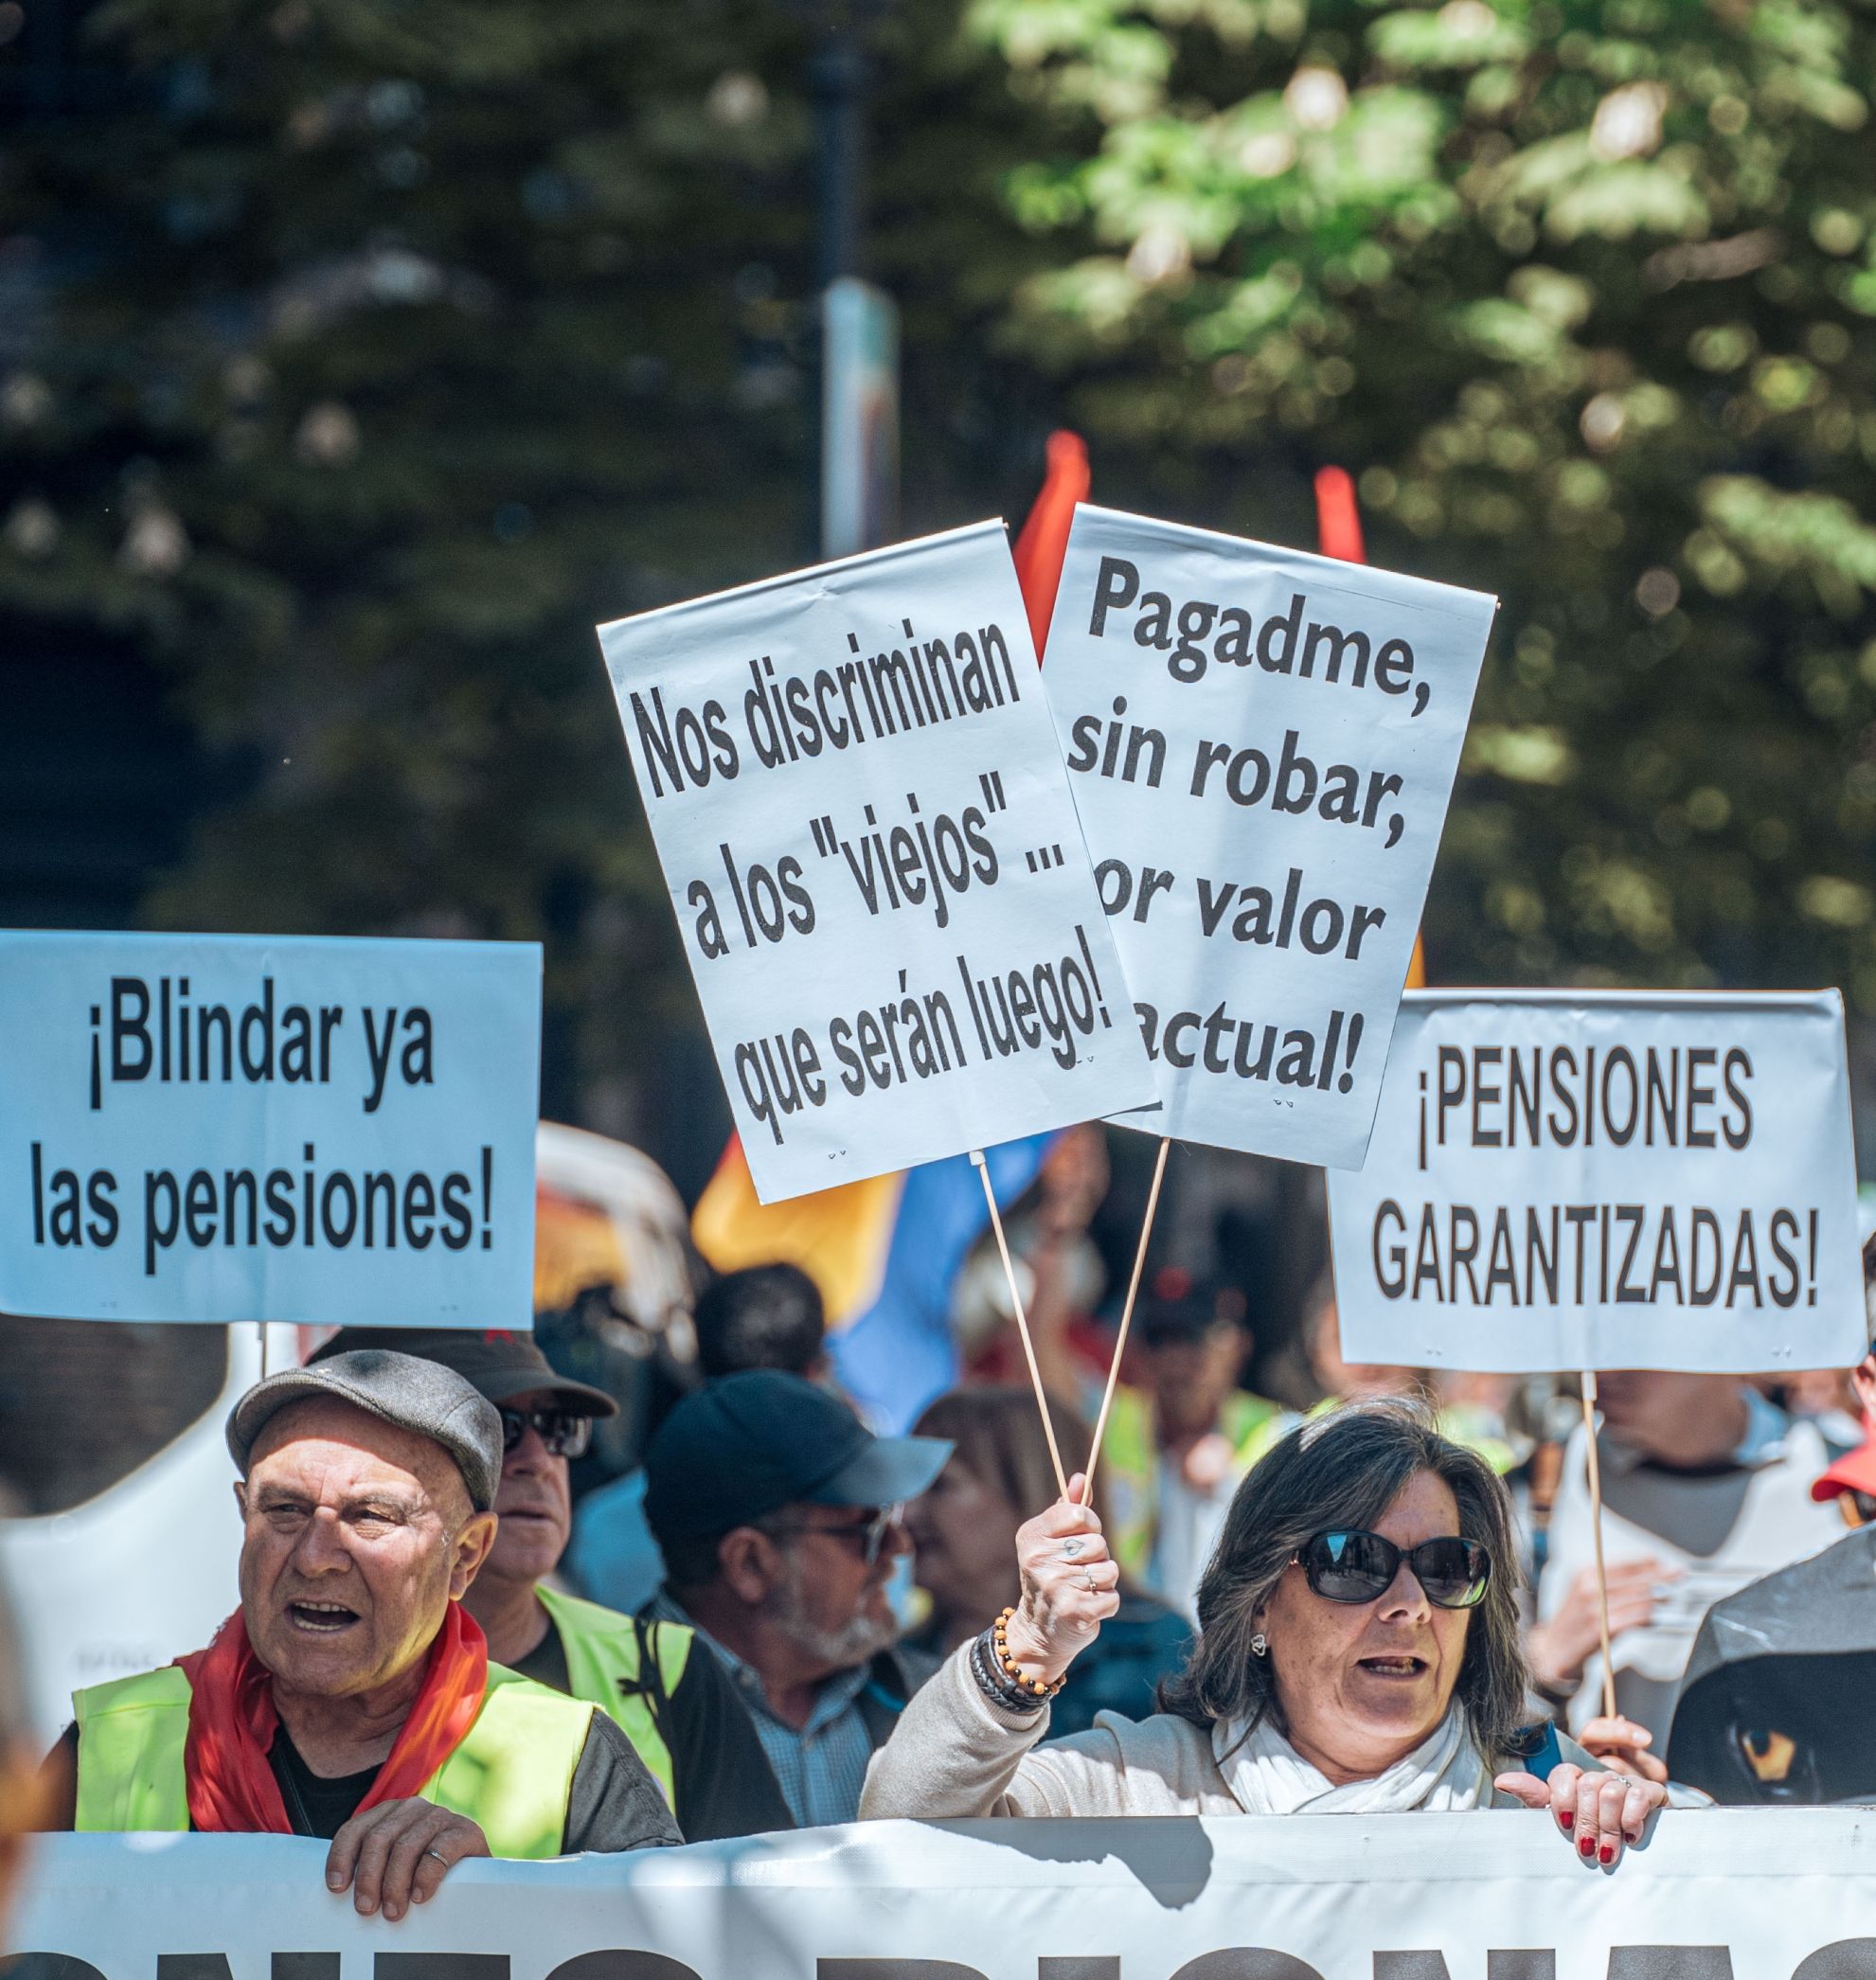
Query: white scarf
x=1270 y=1778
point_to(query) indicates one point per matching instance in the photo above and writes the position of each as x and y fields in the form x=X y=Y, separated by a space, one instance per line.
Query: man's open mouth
x=321 y=1619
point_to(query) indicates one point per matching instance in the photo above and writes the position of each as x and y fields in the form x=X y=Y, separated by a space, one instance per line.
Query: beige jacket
x=954 y=1754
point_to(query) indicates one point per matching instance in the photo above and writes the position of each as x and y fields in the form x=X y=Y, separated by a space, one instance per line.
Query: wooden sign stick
x=1588 y=1379
x=1126 y=1317
x=1022 y=1319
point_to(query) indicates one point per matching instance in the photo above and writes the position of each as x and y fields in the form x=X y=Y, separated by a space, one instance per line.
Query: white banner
x=878 y=877
x=220 y=1128
x=1712 y=1895
x=1263 y=746
x=1622 y=1180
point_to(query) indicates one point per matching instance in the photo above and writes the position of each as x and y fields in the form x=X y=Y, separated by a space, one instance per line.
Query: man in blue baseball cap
x=777 y=1514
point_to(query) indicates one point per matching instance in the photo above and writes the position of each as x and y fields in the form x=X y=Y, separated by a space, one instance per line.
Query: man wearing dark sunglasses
x=777 y=1513
x=678 y=1709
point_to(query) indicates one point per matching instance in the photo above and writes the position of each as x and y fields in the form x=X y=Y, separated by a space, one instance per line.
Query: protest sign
x=1262 y=747
x=868 y=840
x=1618 y=1180
x=221 y=1128
x=1712 y=1895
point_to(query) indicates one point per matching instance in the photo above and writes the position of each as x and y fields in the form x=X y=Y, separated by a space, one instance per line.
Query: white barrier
x=1719 y=1894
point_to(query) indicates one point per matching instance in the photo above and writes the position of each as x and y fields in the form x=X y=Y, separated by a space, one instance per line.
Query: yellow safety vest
x=603 y=1667
x=511 y=1773
x=1130 y=1463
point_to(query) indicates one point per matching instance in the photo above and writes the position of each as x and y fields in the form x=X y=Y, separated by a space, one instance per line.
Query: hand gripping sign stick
x=1021 y=1318
x=1126 y=1317
x=1588 y=1378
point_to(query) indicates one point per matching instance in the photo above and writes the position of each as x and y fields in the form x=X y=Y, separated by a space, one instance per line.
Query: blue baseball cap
x=741 y=1446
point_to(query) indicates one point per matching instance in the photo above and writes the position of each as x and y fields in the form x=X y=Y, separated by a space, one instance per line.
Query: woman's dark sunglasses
x=564 y=1432
x=1360 y=1567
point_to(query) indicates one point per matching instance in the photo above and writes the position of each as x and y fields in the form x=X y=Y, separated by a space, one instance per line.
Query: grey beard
x=839 y=1650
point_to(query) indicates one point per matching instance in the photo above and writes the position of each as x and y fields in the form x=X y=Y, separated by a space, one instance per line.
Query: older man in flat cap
x=350 y=1697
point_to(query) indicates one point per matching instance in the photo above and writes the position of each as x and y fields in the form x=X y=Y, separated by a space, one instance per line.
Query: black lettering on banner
x=1246 y=1963
x=1845 y=1959
x=440 y=1966
x=1102 y=1967
x=612 y=1964
x=1670 y=1963
x=46 y=1966
x=1501 y=1962
x=894 y=1969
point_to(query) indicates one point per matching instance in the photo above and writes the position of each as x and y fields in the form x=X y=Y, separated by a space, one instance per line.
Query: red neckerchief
x=232 y=1722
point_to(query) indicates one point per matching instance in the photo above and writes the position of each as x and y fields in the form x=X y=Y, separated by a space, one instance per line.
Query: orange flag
x=1043 y=541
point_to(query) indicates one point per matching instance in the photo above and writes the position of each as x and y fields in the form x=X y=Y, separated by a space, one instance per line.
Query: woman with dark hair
x=1359 y=1654
x=964 y=1530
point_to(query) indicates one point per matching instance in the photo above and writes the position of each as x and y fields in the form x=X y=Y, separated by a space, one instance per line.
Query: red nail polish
x=1568 y=1819
x=1587 y=1847
x=1607 y=1853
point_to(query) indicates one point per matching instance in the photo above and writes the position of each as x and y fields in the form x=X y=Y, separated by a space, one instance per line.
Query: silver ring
x=439 y=1856
x=1071 y=1548
x=1088 y=1580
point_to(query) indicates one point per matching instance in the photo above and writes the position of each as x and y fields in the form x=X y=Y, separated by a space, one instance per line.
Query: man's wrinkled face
x=356 y=1535
x=533 y=1504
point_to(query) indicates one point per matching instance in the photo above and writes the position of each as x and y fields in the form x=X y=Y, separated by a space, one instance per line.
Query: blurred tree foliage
x=1581 y=291
x=367 y=353
x=379 y=347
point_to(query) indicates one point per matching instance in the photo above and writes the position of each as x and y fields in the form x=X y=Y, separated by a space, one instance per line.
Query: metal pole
x=837 y=76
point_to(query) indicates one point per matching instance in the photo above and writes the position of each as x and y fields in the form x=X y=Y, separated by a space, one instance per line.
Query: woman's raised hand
x=1070 y=1585
x=1595 y=1812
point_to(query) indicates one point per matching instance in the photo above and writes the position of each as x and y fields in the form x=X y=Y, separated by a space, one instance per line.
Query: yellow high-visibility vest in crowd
x=604 y=1666
x=1130 y=1463
x=511 y=1773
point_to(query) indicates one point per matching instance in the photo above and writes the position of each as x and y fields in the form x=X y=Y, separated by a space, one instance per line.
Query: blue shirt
x=821 y=1765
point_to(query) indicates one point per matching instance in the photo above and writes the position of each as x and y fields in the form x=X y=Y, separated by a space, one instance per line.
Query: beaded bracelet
x=1035 y=1687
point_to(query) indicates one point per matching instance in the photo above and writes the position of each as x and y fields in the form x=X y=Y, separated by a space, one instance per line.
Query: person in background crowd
x=350 y=1697
x=678 y=1709
x=778 y=1513
x=1177 y=1444
x=1359 y=1653
x=1849 y=1481
x=21 y=1791
x=1705 y=1487
x=1351 y=1382
x=1774 y=1707
x=964 y=1537
x=1471 y=1408
x=766 y=1316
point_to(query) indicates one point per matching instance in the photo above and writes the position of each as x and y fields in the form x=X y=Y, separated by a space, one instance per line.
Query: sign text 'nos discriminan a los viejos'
x=868 y=841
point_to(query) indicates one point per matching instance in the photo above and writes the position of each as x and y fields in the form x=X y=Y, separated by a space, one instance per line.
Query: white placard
x=221 y=1127
x=1261 y=745
x=1719 y=1894
x=870 y=845
x=1621 y=1180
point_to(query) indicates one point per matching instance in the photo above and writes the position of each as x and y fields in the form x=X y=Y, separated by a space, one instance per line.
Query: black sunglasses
x=1360 y=1567
x=564 y=1432
x=869 y=1532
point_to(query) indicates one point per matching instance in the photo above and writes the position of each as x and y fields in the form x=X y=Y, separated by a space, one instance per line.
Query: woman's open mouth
x=1394 y=1666
x=321 y=1619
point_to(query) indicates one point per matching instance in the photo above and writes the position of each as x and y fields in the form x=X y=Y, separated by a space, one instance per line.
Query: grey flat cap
x=423 y=1396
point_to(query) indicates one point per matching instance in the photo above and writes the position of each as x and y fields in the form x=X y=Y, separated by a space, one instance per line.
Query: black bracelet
x=1001 y=1690
x=995 y=1686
